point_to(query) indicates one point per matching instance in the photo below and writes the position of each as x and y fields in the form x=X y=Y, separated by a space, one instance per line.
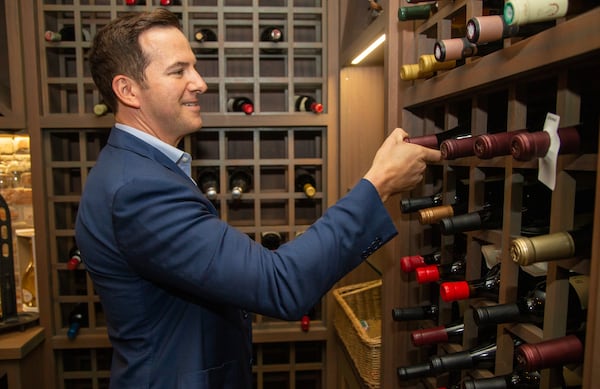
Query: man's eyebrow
x=178 y=64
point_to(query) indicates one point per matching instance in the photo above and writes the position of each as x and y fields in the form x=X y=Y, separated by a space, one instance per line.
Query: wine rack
x=272 y=143
x=510 y=89
x=237 y=64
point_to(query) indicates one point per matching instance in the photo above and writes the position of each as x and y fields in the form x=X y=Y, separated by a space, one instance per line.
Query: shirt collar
x=181 y=158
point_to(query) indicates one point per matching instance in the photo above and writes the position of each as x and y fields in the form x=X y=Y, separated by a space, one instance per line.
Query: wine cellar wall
x=270 y=56
x=510 y=88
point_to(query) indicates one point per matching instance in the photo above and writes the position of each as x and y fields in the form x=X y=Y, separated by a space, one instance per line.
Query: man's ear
x=126 y=91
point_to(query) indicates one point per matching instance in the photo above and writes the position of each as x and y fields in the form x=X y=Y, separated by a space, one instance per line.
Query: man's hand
x=398 y=166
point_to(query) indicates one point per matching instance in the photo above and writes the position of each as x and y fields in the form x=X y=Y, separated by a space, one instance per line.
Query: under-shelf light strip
x=368 y=50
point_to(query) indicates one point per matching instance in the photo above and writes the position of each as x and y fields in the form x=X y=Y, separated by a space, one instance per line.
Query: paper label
x=547 y=164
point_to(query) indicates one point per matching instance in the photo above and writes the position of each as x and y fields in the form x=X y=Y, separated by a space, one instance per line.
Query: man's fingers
x=431 y=155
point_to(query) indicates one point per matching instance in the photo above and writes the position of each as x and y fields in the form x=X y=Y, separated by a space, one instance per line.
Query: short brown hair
x=116 y=49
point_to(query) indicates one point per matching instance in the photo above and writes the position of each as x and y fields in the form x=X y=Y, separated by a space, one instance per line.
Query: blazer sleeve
x=168 y=234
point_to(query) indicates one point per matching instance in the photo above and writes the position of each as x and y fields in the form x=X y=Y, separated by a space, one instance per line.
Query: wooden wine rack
x=66 y=137
x=509 y=89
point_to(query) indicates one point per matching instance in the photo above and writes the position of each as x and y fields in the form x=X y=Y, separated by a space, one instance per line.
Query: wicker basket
x=358 y=325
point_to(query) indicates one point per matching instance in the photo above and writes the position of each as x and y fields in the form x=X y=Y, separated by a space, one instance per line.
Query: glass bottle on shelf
x=550 y=353
x=515 y=380
x=487 y=286
x=457 y=148
x=531 y=145
x=66 y=34
x=306 y=183
x=167 y=3
x=208 y=181
x=271 y=34
x=271 y=239
x=74 y=258
x=417 y=12
x=460 y=48
x=410 y=263
x=449 y=333
x=410 y=205
x=240 y=182
x=425 y=312
x=28 y=282
x=78 y=318
x=483 y=29
x=530 y=307
x=446 y=272
x=488 y=146
x=101 y=109
x=435 y=214
x=240 y=104
x=412 y=71
x=135 y=2
x=522 y=12
x=205 y=35
x=556 y=246
x=435 y=140
x=304 y=103
x=487 y=218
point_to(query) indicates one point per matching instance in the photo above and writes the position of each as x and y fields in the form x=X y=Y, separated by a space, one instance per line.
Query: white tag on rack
x=547 y=164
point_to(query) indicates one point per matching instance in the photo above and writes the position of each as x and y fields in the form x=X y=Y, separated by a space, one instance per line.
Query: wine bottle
x=240 y=182
x=306 y=183
x=410 y=263
x=488 y=146
x=271 y=34
x=303 y=103
x=550 y=353
x=135 y=2
x=450 y=333
x=483 y=29
x=205 y=35
x=428 y=63
x=478 y=357
x=530 y=308
x=425 y=312
x=457 y=148
x=208 y=181
x=446 y=272
x=530 y=145
x=74 y=258
x=417 y=12
x=522 y=12
x=271 y=239
x=550 y=247
x=28 y=282
x=78 y=318
x=486 y=286
x=434 y=141
x=101 y=109
x=167 y=3
x=412 y=71
x=487 y=218
x=240 y=104
x=414 y=204
x=460 y=48
x=515 y=380
x=435 y=214
x=66 y=34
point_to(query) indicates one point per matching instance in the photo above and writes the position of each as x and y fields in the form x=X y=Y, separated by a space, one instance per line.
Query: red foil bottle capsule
x=549 y=353
x=527 y=146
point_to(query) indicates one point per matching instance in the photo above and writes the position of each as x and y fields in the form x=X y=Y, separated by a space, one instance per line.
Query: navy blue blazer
x=176 y=283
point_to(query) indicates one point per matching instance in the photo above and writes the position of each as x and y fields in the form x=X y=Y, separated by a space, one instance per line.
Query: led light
x=369 y=49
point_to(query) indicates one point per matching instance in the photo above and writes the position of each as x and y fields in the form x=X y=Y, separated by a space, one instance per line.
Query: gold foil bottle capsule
x=412 y=72
x=434 y=214
x=428 y=63
x=526 y=251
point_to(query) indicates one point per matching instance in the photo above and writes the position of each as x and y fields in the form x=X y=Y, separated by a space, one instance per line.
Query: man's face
x=169 y=98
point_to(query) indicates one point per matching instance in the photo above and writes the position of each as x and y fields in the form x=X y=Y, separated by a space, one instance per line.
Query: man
x=176 y=283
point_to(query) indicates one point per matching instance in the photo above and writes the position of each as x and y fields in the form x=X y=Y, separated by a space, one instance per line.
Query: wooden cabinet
x=507 y=90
